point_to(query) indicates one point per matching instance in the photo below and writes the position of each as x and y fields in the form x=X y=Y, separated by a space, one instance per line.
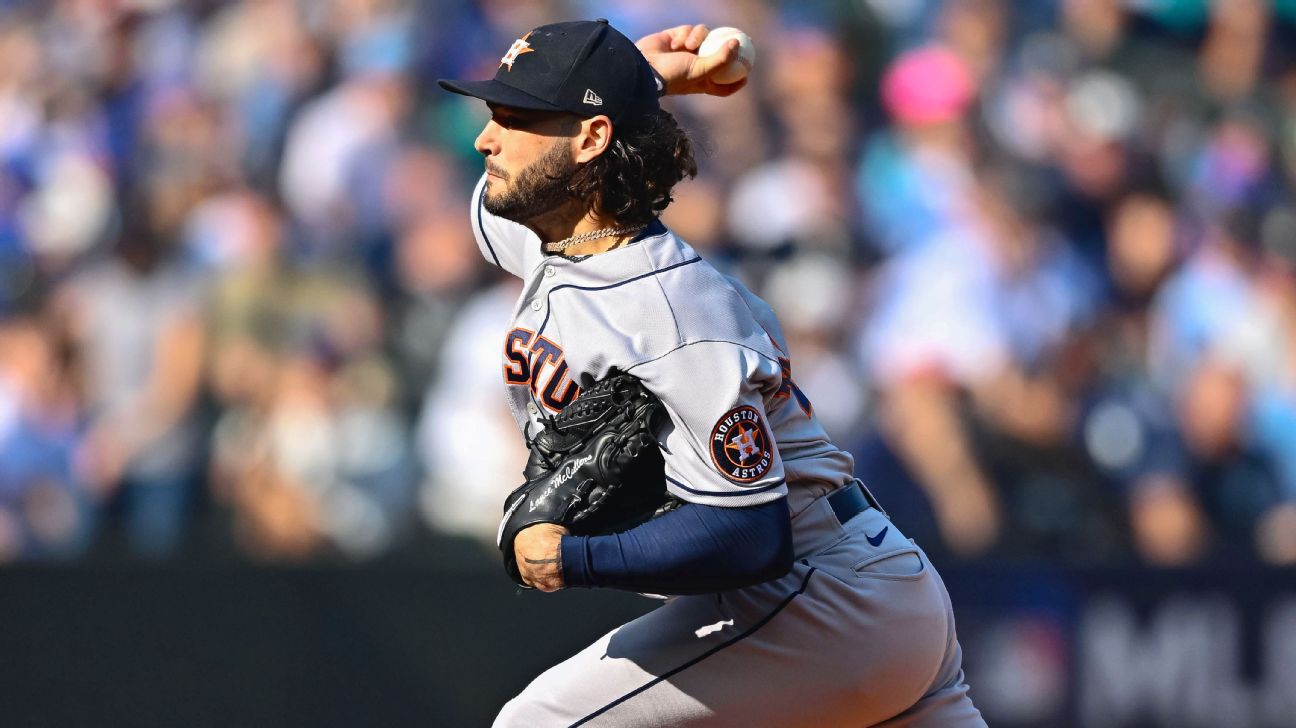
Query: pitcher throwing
x=796 y=602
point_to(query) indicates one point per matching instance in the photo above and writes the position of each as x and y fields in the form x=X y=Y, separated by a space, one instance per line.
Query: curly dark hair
x=632 y=180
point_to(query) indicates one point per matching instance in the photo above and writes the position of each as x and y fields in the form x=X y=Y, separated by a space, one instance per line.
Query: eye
x=513 y=120
x=520 y=122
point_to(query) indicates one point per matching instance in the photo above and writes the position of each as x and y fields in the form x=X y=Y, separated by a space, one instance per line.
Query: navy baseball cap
x=584 y=67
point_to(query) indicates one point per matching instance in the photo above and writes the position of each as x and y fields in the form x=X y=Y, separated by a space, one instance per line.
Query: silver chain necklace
x=561 y=245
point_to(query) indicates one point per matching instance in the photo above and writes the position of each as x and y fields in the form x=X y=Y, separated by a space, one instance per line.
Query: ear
x=593 y=139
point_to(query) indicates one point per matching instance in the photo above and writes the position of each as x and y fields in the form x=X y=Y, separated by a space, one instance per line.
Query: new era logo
x=592 y=98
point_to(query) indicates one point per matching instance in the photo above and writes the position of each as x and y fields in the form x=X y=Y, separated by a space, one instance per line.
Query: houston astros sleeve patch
x=719 y=446
x=741 y=446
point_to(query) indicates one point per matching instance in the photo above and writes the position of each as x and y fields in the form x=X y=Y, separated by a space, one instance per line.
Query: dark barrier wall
x=420 y=646
x=261 y=647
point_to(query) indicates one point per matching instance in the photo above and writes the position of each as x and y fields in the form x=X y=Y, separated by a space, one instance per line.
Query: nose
x=487 y=142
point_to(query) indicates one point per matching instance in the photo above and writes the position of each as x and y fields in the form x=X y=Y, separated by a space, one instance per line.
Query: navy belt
x=852 y=500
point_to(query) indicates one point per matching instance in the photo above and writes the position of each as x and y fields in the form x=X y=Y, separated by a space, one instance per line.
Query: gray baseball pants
x=855 y=635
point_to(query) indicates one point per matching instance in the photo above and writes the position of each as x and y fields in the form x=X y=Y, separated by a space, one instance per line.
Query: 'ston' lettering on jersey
x=539 y=364
x=740 y=445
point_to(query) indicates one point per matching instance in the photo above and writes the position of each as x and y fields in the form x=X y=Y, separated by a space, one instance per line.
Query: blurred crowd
x=1036 y=263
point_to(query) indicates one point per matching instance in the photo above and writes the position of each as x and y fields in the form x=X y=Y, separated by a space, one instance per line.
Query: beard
x=538 y=190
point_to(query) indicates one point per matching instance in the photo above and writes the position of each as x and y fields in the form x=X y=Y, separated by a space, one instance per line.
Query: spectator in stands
x=1051 y=244
x=134 y=320
x=45 y=509
x=309 y=453
x=469 y=447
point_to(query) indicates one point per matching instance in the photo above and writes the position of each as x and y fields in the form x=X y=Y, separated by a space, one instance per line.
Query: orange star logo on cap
x=519 y=47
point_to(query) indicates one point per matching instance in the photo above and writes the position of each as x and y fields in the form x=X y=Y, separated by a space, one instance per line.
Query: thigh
x=809 y=649
x=623 y=678
x=693 y=662
x=947 y=707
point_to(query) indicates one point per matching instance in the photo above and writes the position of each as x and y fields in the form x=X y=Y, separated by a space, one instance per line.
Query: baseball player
x=798 y=603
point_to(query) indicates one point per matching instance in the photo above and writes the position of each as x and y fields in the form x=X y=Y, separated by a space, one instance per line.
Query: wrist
x=559 y=576
x=661 y=81
x=573 y=561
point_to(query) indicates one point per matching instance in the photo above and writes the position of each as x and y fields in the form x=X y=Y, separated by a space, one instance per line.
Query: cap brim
x=494 y=92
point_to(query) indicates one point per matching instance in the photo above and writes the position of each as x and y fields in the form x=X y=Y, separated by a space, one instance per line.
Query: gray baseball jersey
x=870 y=641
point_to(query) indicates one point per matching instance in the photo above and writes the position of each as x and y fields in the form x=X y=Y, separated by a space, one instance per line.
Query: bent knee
x=516 y=713
x=536 y=707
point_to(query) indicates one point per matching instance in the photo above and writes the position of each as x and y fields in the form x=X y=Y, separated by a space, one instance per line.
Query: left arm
x=694 y=549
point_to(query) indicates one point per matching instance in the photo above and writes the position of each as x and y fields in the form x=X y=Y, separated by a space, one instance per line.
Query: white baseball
x=737 y=69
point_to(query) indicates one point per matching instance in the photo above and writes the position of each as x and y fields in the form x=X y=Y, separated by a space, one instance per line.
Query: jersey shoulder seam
x=679 y=335
x=768 y=335
x=683 y=344
x=633 y=279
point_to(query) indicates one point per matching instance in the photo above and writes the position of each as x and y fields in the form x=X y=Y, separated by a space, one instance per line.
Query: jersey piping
x=666 y=675
x=481 y=199
x=725 y=494
x=555 y=289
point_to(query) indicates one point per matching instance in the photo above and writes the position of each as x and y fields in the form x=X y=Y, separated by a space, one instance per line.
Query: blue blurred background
x=1036 y=263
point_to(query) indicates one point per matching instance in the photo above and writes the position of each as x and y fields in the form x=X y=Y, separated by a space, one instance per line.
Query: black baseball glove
x=594 y=468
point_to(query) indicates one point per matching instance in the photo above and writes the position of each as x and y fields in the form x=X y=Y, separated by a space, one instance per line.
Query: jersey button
x=550 y=272
x=535 y=305
x=534 y=410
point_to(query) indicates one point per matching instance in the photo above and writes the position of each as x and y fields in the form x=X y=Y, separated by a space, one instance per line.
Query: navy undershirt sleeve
x=694 y=549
